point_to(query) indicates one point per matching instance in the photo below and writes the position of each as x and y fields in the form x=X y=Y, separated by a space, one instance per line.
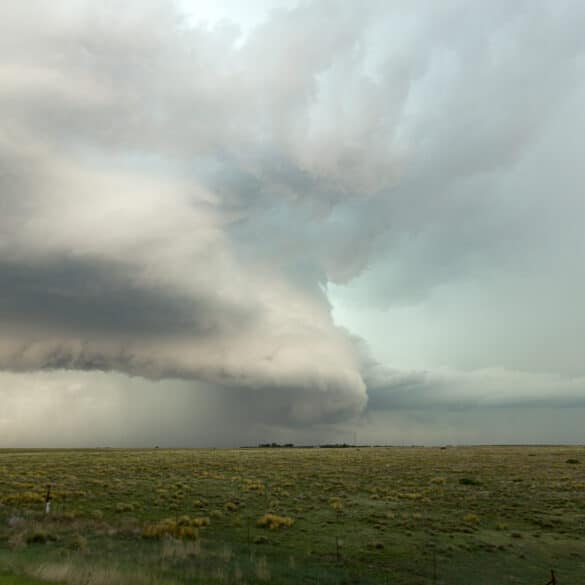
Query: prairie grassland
x=475 y=515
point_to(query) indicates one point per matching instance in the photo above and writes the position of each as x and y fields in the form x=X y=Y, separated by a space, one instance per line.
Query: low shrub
x=261 y=539
x=39 y=536
x=336 y=504
x=183 y=528
x=122 y=507
x=78 y=543
x=274 y=522
x=469 y=481
x=439 y=480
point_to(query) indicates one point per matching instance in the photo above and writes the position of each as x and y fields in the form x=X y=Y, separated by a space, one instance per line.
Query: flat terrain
x=460 y=516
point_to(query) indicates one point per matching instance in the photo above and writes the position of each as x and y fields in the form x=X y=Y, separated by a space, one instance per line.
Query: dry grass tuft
x=262 y=570
x=274 y=522
x=183 y=528
x=69 y=573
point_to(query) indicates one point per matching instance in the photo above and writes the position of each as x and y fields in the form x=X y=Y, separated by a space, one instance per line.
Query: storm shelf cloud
x=297 y=220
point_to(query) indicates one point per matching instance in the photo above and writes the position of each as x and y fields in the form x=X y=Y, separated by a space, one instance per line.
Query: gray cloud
x=184 y=202
x=448 y=389
x=91 y=297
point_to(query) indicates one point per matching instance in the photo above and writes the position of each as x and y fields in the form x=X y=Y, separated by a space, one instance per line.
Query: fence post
x=48 y=499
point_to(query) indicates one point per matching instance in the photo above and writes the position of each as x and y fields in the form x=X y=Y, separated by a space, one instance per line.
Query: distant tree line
x=292 y=445
x=276 y=446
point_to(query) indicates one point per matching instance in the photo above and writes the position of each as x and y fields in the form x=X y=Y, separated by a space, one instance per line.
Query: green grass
x=478 y=515
x=19 y=580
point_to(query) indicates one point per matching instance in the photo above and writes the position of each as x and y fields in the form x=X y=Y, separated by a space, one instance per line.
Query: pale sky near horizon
x=231 y=222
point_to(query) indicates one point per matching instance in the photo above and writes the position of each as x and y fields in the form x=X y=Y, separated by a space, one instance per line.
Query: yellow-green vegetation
x=471 y=518
x=456 y=516
x=183 y=528
x=336 y=504
x=274 y=521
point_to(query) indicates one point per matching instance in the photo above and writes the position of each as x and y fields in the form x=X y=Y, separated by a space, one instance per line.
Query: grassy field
x=460 y=516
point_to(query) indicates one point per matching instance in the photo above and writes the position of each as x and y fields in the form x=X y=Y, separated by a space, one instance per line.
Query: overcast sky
x=226 y=222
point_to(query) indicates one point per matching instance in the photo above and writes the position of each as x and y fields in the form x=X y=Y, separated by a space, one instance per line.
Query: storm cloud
x=337 y=211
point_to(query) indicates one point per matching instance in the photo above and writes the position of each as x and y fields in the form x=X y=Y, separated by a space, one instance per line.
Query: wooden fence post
x=48 y=499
